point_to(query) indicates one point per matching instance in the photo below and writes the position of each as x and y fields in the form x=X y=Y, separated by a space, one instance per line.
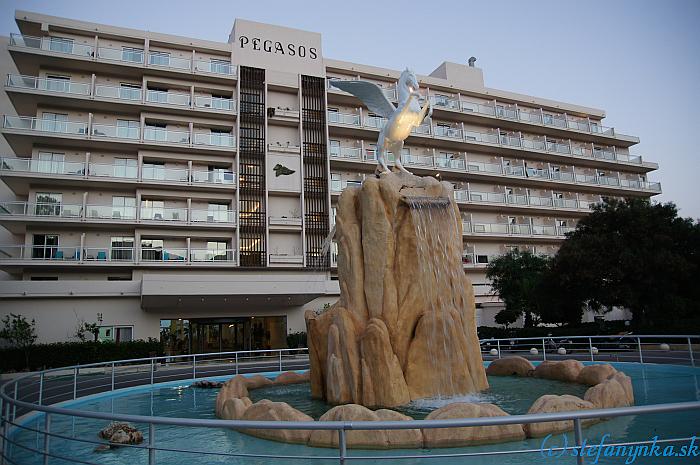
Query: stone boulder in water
x=404 y=327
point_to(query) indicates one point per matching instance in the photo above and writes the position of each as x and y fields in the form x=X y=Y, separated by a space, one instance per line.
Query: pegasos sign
x=277 y=47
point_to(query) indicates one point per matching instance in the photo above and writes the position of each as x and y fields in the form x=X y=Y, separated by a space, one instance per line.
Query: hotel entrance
x=196 y=336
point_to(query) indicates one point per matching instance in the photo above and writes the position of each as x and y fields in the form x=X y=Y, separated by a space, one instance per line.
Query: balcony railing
x=115 y=132
x=100 y=170
x=29 y=123
x=215 y=67
x=215 y=139
x=163 y=214
x=52 y=44
x=110 y=212
x=213 y=216
x=130 y=94
x=167 y=61
x=168 y=98
x=62 y=86
x=515 y=229
x=166 y=135
x=127 y=55
x=41 y=209
x=209 y=255
x=343 y=118
x=354 y=153
x=216 y=103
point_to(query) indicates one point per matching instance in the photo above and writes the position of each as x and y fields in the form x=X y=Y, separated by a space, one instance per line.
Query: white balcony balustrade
x=29 y=123
x=215 y=103
x=213 y=216
x=171 y=136
x=62 y=86
x=163 y=214
x=168 y=97
x=215 y=139
x=110 y=212
x=131 y=94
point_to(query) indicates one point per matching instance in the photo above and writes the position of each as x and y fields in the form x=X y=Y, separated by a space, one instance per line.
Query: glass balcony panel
x=167 y=61
x=541 y=230
x=213 y=216
x=214 y=67
x=214 y=177
x=169 y=98
x=211 y=255
x=540 y=201
x=116 y=132
x=452 y=163
x=216 y=103
x=163 y=214
x=166 y=135
x=417 y=160
x=110 y=212
x=215 y=139
x=159 y=173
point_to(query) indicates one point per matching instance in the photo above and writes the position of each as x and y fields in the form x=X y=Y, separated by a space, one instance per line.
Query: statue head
x=409 y=80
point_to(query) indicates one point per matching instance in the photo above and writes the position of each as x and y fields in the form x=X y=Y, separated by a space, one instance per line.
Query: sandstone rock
x=396 y=322
x=595 y=374
x=276 y=411
x=291 y=377
x=359 y=439
x=400 y=438
x=610 y=393
x=234 y=388
x=257 y=381
x=454 y=437
x=234 y=409
x=553 y=404
x=626 y=383
x=383 y=381
x=510 y=366
x=565 y=370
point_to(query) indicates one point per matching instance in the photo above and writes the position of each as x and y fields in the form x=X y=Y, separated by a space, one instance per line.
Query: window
x=152 y=249
x=61 y=44
x=217 y=213
x=153 y=170
x=129 y=91
x=134 y=55
x=121 y=248
x=128 y=129
x=159 y=58
x=152 y=209
x=57 y=83
x=482 y=259
x=220 y=66
x=125 y=168
x=45 y=246
x=51 y=162
x=335 y=147
x=123 y=207
x=216 y=250
x=54 y=122
x=116 y=333
x=48 y=204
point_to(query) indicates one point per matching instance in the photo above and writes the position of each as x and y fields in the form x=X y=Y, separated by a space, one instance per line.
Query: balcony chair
x=58 y=255
x=102 y=255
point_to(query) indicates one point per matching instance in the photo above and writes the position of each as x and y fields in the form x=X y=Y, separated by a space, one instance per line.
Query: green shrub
x=296 y=340
x=61 y=354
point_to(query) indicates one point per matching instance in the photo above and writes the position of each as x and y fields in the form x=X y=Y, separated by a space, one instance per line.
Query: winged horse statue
x=400 y=120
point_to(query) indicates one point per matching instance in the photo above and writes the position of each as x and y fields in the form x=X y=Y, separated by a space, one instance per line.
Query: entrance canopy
x=194 y=291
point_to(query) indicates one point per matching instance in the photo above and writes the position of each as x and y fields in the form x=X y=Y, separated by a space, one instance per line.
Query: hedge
x=61 y=354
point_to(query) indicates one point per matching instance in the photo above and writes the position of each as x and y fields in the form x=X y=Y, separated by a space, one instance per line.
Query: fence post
x=690 y=351
x=544 y=351
x=639 y=346
x=342 y=447
x=5 y=433
x=152 y=372
x=112 y=376
x=236 y=362
x=590 y=348
x=498 y=346
x=75 y=382
x=14 y=405
x=41 y=387
x=280 y=360
x=151 y=444
x=194 y=367
x=47 y=438
x=578 y=437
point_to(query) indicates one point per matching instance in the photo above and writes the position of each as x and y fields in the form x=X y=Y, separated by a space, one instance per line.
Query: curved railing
x=40 y=392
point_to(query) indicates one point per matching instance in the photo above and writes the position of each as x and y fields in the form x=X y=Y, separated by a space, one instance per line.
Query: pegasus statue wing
x=370 y=94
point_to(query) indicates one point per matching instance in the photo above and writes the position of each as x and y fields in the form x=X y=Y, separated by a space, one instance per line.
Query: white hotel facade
x=157 y=184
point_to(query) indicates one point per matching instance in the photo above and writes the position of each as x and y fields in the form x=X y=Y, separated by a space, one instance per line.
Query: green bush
x=61 y=354
x=296 y=340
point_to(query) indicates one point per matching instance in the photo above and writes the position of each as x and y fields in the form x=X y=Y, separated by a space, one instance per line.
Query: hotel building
x=164 y=185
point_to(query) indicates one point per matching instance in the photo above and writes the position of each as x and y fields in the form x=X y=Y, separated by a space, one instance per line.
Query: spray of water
x=436 y=228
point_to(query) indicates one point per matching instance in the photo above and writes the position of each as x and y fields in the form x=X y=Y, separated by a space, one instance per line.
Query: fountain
x=403 y=328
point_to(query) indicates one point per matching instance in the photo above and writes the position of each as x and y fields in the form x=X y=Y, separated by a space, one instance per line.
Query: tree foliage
x=517 y=278
x=633 y=254
x=19 y=333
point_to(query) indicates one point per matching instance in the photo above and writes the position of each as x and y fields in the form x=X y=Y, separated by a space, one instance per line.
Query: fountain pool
x=652 y=384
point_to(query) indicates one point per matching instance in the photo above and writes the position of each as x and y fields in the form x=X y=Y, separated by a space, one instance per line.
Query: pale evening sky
x=638 y=60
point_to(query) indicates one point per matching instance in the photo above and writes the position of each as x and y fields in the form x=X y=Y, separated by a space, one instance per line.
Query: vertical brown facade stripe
x=252 y=168
x=313 y=113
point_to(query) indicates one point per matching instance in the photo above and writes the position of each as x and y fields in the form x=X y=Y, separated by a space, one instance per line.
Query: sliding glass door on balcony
x=51 y=162
x=45 y=246
x=128 y=129
x=54 y=122
x=48 y=204
x=61 y=44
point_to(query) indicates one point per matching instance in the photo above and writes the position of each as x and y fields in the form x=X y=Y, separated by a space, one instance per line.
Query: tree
x=516 y=277
x=633 y=254
x=19 y=333
x=84 y=327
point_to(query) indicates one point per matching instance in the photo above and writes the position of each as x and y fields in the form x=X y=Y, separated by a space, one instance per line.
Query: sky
x=638 y=60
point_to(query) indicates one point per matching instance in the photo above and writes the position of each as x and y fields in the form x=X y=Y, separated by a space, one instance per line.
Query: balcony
x=520 y=230
x=126 y=94
x=30 y=123
x=149 y=173
x=496 y=169
x=499 y=110
x=214 y=139
x=124 y=56
x=60 y=86
x=98 y=213
x=24 y=255
x=286 y=259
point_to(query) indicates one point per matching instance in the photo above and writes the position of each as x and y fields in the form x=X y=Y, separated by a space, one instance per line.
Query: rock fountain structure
x=404 y=327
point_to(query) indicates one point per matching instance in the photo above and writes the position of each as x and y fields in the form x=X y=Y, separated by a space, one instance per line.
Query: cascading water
x=436 y=229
